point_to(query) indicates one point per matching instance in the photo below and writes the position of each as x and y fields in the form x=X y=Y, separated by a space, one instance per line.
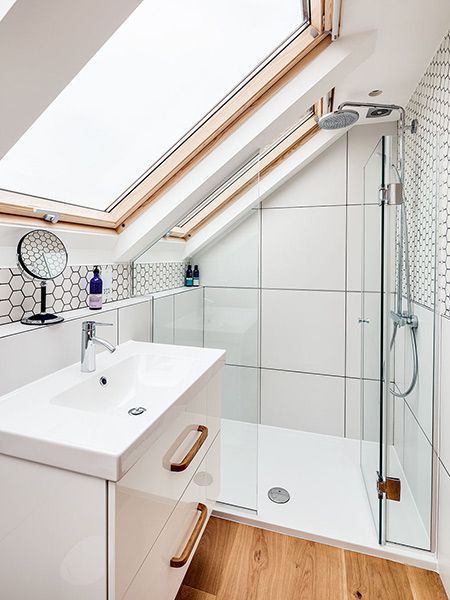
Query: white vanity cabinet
x=67 y=535
x=178 y=471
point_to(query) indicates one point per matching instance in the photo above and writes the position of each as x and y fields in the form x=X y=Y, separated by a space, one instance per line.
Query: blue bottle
x=196 y=277
x=188 y=279
x=95 y=291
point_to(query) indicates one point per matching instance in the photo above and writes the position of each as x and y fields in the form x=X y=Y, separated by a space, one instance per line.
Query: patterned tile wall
x=20 y=295
x=155 y=277
x=427 y=181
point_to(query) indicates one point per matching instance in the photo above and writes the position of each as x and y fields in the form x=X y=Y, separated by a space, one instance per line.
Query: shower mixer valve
x=401 y=320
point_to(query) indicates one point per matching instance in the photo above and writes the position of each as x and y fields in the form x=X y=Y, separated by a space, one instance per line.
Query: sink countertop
x=69 y=420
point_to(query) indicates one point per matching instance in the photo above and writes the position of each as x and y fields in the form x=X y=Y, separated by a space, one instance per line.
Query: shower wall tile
x=399 y=429
x=417 y=465
x=444 y=437
x=420 y=400
x=443 y=549
x=427 y=179
x=188 y=318
x=352 y=408
x=362 y=141
x=312 y=403
x=371 y=335
x=234 y=260
x=231 y=323
x=304 y=189
x=294 y=256
x=240 y=400
x=303 y=331
x=355 y=233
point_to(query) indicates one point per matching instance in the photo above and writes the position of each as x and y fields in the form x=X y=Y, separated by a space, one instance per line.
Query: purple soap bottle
x=95 y=291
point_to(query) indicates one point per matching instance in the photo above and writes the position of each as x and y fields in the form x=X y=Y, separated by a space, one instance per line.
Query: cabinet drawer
x=157 y=579
x=143 y=500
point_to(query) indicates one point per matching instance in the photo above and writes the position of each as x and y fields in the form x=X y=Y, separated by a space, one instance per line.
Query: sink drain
x=278 y=495
x=135 y=412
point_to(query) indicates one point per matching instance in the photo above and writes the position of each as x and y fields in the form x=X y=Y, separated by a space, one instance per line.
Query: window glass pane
x=168 y=65
x=5 y=5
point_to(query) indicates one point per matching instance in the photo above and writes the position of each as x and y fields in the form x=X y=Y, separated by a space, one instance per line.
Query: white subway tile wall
x=282 y=290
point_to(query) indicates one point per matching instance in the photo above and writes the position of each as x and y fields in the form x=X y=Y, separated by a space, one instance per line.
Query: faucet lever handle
x=90 y=326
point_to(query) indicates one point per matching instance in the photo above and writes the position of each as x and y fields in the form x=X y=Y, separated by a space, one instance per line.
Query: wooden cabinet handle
x=179 y=561
x=183 y=465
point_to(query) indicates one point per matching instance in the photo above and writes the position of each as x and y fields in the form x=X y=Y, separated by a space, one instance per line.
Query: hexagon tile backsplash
x=20 y=295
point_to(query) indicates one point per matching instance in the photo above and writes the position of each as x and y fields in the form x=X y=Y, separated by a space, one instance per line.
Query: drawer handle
x=179 y=561
x=183 y=465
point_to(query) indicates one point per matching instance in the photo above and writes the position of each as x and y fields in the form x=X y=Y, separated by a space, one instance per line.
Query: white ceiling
x=408 y=34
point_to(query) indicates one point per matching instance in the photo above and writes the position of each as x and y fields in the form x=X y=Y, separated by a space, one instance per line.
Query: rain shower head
x=338 y=119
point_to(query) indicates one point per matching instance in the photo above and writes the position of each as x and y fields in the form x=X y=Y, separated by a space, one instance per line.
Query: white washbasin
x=70 y=420
x=131 y=382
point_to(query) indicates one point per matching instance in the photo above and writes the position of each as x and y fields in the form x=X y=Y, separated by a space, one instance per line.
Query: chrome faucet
x=88 y=342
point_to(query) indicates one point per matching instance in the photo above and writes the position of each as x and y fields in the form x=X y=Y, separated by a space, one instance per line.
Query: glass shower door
x=374 y=308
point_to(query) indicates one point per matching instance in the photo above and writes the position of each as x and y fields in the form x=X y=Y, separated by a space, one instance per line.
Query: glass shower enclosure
x=396 y=427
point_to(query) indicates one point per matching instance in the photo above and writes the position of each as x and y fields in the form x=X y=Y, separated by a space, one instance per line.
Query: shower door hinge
x=392 y=194
x=390 y=488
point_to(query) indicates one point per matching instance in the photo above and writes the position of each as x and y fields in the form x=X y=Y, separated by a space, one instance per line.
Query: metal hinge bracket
x=389 y=488
x=392 y=194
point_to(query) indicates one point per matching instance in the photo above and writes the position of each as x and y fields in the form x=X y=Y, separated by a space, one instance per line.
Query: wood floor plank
x=370 y=578
x=425 y=585
x=269 y=566
x=214 y=550
x=239 y=562
x=188 y=593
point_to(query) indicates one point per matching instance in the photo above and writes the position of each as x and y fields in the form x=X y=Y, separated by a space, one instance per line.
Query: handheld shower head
x=338 y=119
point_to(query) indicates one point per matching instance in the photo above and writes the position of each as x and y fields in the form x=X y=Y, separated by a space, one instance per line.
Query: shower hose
x=412 y=323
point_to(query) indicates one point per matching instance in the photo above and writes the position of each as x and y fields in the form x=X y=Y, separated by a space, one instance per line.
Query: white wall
x=28 y=353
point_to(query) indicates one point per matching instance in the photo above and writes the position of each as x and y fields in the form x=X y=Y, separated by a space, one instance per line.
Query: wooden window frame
x=313 y=38
x=256 y=170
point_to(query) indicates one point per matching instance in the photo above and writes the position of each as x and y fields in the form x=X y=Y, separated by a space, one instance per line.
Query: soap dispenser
x=95 y=291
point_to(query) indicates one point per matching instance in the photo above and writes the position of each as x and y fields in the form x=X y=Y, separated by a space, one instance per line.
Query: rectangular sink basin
x=129 y=383
x=82 y=421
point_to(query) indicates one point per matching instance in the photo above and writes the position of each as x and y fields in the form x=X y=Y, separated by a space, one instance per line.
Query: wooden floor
x=237 y=562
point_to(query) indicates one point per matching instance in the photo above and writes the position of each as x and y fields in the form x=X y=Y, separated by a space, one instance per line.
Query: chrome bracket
x=401 y=320
x=383 y=196
x=392 y=194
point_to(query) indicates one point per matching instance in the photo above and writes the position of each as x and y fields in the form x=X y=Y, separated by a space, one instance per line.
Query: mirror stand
x=43 y=317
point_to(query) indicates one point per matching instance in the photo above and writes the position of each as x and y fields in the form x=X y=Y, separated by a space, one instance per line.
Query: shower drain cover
x=278 y=495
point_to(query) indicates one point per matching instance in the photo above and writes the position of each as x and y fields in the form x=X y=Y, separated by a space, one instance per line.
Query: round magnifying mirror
x=43 y=256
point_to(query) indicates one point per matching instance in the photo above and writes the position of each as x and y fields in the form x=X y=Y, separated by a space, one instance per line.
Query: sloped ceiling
x=408 y=34
x=384 y=45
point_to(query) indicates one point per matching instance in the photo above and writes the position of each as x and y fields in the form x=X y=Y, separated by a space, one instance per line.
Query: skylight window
x=256 y=167
x=161 y=72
